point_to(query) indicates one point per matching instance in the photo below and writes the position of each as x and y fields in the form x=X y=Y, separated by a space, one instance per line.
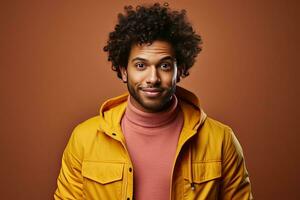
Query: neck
x=154 y=120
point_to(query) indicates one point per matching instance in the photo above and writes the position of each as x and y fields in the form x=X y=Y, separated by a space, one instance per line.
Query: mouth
x=151 y=92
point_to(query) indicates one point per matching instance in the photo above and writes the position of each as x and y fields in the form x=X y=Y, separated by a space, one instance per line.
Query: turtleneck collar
x=151 y=120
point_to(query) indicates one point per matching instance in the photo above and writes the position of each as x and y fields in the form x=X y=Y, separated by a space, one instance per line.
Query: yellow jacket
x=209 y=161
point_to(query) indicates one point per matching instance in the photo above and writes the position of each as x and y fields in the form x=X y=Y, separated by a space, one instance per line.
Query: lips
x=152 y=92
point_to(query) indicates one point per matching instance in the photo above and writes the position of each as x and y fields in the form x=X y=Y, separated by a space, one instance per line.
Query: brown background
x=54 y=74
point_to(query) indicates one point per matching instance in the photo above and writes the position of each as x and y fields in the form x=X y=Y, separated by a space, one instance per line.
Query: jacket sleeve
x=69 y=182
x=235 y=183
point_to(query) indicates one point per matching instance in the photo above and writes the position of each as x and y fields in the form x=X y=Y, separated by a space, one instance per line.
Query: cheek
x=134 y=78
x=168 y=79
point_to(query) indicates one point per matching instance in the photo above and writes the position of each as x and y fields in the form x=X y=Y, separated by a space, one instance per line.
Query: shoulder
x=216 y=128
x=88 y=125
x=216 y=140
x=217 y=134
x=86 y=130
x=224 y=135
x=82 y=135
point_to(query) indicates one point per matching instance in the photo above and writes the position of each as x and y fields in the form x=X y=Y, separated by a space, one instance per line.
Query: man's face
x=151 y=75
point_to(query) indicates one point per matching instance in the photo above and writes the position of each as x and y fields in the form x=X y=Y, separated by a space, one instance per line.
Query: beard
x=156 y=104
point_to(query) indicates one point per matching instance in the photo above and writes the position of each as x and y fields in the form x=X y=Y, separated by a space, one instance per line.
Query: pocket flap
x=102 y=172
x=205 y=171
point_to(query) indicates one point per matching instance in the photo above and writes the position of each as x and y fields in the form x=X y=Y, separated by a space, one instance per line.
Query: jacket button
x=130 y=169
x=193 y=186
x=114 y=134
x=128 y=198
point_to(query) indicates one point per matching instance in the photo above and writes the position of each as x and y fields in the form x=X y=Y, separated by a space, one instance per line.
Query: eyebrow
x=143 y=59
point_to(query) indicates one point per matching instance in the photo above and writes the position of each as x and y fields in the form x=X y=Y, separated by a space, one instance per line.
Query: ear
x=123 y=71
x=179 y=73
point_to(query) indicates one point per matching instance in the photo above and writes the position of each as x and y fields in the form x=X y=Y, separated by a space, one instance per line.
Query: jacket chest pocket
x=201 y=180
x=102 y=180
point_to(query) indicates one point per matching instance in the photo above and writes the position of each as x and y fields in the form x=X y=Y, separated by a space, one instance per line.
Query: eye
x=140 y=66
x=166 y=66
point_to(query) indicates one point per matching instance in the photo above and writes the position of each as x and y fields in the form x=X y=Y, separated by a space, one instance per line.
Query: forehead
x=155 y=50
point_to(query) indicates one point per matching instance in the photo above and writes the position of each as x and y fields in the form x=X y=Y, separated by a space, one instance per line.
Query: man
x=155 y=142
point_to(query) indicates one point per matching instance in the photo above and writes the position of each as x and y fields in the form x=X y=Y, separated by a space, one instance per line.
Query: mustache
x=153 y=88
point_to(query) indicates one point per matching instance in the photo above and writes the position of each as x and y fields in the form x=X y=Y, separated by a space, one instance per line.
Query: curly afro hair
x=145 y=24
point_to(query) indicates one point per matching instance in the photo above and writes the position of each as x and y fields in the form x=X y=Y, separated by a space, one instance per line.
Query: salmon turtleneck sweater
x=151 y=139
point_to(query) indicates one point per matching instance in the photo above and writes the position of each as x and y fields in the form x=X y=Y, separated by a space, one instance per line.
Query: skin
x=151 y=75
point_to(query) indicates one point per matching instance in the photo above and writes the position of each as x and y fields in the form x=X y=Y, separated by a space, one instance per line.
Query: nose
x=153 y=76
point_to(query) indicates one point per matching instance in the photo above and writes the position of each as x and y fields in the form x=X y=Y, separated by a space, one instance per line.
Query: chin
x=151 y=106
x=154 y=106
